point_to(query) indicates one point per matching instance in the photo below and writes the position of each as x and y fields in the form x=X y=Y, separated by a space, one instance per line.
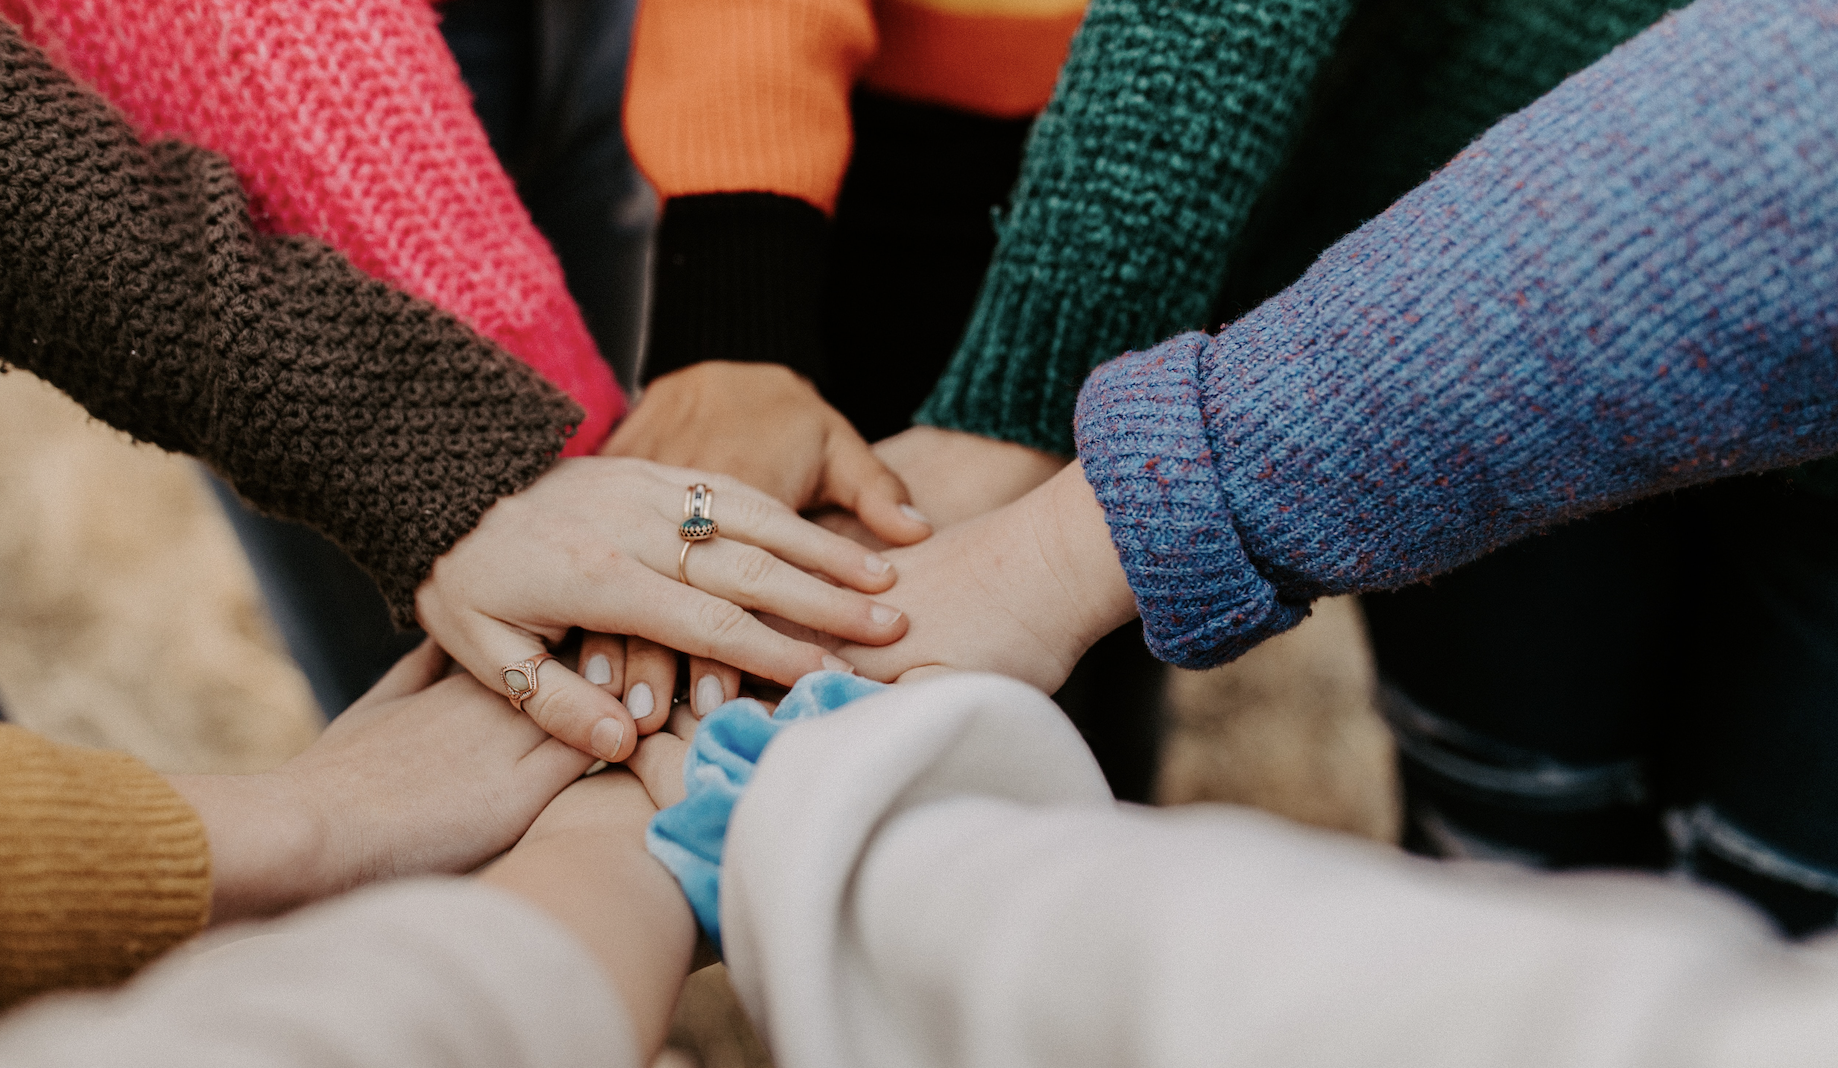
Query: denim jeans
x=1655 y=687
x=548 y=81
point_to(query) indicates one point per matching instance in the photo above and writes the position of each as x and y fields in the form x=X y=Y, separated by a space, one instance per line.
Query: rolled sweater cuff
x=738 y=276
x=103 y=867
x=1143 y=442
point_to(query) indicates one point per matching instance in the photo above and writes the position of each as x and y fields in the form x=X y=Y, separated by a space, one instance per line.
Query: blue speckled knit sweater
x=1628 y=287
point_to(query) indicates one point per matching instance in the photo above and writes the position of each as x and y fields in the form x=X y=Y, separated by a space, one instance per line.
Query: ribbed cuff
x=738 y=276
x=1142 y=439
x=103 y=867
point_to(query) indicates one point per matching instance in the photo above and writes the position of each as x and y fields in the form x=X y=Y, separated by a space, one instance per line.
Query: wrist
x=267 y=844
x=1088 y=592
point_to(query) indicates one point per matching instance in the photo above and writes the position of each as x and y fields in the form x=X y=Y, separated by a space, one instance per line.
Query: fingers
x=658 y=763
x=754 y=578
x=711 y=684
x=856 y=479
x=566 y=705
x=650 y=675
x=683 y=617
x=748 y=516
x=603 y=662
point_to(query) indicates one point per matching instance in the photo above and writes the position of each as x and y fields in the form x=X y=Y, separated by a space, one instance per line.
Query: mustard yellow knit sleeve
x=103 y=866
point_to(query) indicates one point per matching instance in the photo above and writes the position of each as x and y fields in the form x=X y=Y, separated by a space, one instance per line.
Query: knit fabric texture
x=690 y=836
x=1623 y=289
x=1158 y=175
x=103 y=867
x=347 y=122
x=737 y=276
x=134 y=280
x=752 y=96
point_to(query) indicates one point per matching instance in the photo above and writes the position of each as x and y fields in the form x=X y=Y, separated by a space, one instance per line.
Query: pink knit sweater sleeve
x=347 y=121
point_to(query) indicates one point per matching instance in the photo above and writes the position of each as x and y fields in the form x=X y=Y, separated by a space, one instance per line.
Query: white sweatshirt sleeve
x=430 y=973
x=937 y=876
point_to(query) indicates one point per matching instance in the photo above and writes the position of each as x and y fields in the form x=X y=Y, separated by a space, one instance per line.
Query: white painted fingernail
x=878 y=565
x=884 y=614
x=608 y=736
x=708 y=695
x=639 y=701
x=914 y=514
x=599 y=670
x=837 y=663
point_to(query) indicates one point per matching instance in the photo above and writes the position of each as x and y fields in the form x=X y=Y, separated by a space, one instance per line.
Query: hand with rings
x=604 y=544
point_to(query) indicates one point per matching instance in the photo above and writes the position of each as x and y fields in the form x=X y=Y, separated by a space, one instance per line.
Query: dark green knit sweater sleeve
x=132 y=279
x=1169 y=118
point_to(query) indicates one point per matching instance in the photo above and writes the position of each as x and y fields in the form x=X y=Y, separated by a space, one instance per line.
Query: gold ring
x=520 y=679
x=698 y=524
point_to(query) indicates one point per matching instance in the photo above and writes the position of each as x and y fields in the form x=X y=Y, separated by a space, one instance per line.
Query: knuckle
x=721 y=620
x=753 y=568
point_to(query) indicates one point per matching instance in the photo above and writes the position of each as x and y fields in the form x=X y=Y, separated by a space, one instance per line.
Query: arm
x=1168 y=121
x=328 y=397
x=568 y=951
x=106 y=864
x=738 y=113
x=398 y=175
x=1621 y=290
x=1580 y=310
x=937 y=875
x=103 y=867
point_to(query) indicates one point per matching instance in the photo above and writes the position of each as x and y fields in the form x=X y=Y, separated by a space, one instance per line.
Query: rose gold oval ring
x=520 y=682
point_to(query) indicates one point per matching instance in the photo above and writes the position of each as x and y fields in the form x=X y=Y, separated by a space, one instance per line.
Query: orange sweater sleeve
x=103 y=867
x=729 y=96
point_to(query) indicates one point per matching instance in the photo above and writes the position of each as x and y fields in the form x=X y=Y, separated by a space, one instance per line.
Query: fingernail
x=878 y=565
x=884 y=614
x=639 y=702
x=708 y=695
x=837 y=663
x=599 y=670
x=914 y=514
x=608 y=736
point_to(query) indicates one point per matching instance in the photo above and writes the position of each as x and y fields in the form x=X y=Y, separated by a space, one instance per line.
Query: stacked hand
x=594 y=544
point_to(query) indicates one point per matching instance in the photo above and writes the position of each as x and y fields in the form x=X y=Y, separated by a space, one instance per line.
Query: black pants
x=1653 y=687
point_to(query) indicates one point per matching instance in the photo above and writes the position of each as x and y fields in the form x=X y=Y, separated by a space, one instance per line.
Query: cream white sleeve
x=429 y=973
x=937 y=876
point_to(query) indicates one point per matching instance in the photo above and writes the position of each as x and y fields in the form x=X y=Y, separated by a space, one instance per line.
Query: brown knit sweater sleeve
x=103 y=866
x=131 y=278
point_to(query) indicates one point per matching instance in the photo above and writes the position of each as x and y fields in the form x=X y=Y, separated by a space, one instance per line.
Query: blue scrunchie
x=688 y=836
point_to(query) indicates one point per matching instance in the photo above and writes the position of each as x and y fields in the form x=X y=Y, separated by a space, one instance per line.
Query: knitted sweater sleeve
x=1169 y=118
x=347 y=122
x=133 y=280
x=102 y=867
x=1623 y=289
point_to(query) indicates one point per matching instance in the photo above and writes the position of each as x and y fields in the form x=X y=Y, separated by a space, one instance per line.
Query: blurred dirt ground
x=128 y=617
x=130 y=620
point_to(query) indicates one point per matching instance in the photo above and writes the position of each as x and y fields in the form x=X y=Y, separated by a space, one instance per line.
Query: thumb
x=856 y=479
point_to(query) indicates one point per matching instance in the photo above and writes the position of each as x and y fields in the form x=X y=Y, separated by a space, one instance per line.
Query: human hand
x=422 y=775
x=584 y=862
x=593 y=544
x=954 y=476
x=768 y=427
x=1023 y=591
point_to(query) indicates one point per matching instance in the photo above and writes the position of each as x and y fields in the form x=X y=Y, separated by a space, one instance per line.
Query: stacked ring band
x=520 y=682
x=698 y=524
